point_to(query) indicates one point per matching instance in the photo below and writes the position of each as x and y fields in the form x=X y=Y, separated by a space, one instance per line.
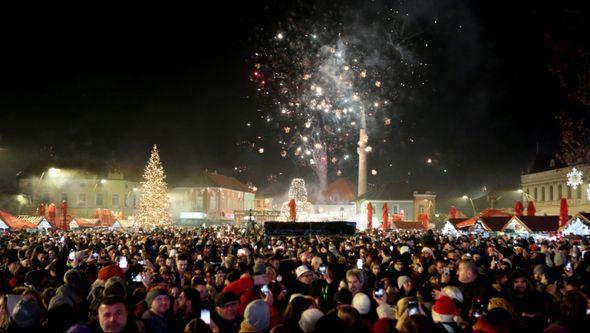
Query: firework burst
x=319 y=75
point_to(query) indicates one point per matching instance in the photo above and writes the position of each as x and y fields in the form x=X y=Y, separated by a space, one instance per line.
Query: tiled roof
x=213 y=179
x=338 y=191
x=585 y=215
x=540 y=223
x=458 y=220
x=227 y=182
x=543 y=162
x=31 y=218
x=15 y=223
x=495 y=223
x=86 y=223
x=486 y=213
x=407 y=225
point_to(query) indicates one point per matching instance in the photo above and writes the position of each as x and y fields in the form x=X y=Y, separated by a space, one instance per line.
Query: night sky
x=105 y=86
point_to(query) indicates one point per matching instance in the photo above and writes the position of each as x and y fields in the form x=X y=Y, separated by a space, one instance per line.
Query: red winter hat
x=384 y=325
x=444 y=310
x=108 y=272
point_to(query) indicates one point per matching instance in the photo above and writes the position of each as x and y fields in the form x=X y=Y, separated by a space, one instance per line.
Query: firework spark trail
x=320 y=78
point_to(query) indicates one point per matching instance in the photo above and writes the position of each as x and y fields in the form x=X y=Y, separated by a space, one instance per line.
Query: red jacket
x=244 y=288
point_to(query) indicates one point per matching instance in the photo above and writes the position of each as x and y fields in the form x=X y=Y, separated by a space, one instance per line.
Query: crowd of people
x=226 y=279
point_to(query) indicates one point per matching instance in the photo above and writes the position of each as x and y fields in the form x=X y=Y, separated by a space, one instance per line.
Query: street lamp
x=472 y=205
x=526 y=196
x=53 y=172
x=22 y=200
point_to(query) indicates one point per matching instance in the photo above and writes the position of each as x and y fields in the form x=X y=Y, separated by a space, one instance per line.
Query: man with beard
x=527 y=302
x=187 y=307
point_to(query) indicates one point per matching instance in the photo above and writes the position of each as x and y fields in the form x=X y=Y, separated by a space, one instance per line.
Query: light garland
x=297 y=190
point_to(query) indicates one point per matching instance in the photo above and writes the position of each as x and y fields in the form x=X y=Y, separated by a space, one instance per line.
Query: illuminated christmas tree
x=154 y=206
x=298 y=192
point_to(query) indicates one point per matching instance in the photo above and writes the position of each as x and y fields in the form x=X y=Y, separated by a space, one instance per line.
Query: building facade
x=403 y=202
x=212 y=197
x=546 y=187
x=84 y=192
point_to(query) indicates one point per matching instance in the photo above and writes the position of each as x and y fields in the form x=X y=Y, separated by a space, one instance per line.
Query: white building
x=545 y=184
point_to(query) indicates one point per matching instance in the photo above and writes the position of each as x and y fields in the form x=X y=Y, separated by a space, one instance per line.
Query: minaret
x=361 y=150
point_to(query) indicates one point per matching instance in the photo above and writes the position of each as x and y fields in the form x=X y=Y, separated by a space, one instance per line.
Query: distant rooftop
x=543 y=162
x=214 y=179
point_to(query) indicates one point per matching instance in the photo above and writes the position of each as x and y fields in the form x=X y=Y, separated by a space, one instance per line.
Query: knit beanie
x=59 y=300
x=384 y=325
x=444 y=310
x=257 y=314
x=108 y=272
x=152 y=294
x=401 y=280
x=362 y=303
x=309 y=319
x=26 y=314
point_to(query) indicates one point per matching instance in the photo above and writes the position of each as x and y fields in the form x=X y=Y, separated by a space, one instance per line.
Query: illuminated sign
x=192 y=215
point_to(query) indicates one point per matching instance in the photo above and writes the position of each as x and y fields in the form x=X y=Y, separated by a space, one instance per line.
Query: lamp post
x=472 y=205
x=526 y=196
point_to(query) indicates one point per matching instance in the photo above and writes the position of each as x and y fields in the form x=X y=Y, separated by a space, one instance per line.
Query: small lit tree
x=154 y=206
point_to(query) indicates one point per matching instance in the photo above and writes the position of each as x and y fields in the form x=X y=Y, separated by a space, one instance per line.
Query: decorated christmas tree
x=297 y=192
x=154 y=206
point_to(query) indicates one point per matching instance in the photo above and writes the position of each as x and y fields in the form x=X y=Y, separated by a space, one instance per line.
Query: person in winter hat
x=444 y=312
x=309 y=319
x=26 y=317
x=256 y=317
x=361 y=303
x=454 y=293
x=384 y=325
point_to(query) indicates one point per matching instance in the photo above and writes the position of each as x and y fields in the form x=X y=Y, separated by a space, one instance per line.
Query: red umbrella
x=385 y=210
x=563 y=215
x=518 y=208
x=424 y=219
x=64 y=214
x=51 y=210
x=369 y=216
x=105 y=215
x=292 y=210
x=530 y=210
x=41 y=211
x=453 y=212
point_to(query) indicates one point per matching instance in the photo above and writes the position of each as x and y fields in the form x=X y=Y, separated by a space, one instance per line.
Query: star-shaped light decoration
x=574 y=178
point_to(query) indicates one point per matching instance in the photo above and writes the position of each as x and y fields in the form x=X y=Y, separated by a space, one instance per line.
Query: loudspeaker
x=335 y=228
